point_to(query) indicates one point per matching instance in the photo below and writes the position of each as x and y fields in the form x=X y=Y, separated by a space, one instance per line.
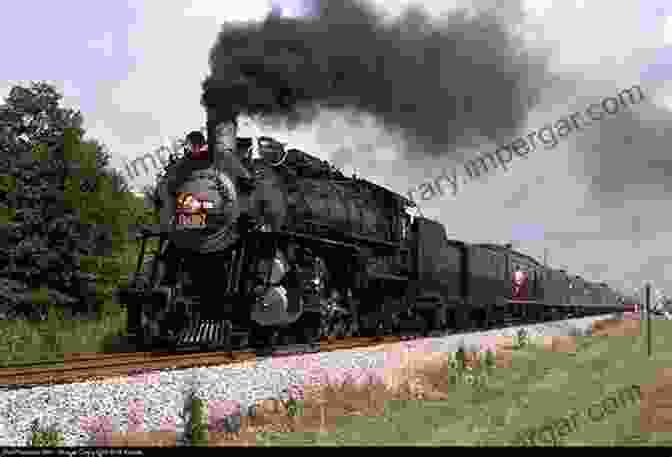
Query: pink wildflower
x=316 y=376
x=218 y=411
x=295 y=392
x=168 y=424
x=136 y=415
x=100 y=427
x=489 y=343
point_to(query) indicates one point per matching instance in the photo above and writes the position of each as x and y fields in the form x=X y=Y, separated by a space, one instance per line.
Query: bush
x=198 y=424
x=522 y=338
x=49 y=437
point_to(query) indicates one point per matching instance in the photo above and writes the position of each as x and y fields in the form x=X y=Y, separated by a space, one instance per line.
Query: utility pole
x=648 y=316
x=545 y=257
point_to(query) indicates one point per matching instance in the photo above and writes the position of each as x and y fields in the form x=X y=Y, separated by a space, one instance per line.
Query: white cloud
x=228 y=11
x=667 y=31
x=538 y=7
x=104 y=44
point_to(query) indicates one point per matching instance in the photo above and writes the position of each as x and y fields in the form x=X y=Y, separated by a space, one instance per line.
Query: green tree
x=58 y=201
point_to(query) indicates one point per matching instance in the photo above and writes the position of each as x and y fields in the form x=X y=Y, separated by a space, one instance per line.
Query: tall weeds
x=26 y=341
x=23 y=341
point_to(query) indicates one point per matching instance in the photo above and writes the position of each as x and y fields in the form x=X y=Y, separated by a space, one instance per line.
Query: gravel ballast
x=157 y=400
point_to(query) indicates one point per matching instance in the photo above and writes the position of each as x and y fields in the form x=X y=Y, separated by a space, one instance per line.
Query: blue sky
x=656 y=14
x=597 y=202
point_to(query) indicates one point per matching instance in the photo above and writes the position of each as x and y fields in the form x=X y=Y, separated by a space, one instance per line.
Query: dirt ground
x=616 y=327
x=656 y=404
x=420 y=375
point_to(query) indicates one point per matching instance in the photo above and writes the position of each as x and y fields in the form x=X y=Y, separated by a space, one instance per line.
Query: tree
x=32 y=115
x=58 y=202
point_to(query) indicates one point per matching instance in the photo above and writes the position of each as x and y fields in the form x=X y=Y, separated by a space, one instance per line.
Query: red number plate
x=191 y=220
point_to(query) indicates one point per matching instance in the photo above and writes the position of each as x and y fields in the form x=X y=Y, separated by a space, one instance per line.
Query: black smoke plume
x=440 y=82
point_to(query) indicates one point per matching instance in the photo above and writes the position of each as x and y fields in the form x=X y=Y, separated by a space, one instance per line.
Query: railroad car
x=556 y=286
x=439 y=289
x=595 y=293
x=524 y=295
x=490 y=284
x=612 y=297
x=258 y=241
x=606 y=295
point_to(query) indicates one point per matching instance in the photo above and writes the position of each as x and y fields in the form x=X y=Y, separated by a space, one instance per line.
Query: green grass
x=541 y=386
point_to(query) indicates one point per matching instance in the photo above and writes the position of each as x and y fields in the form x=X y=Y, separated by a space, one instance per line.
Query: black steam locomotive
x=259 y=241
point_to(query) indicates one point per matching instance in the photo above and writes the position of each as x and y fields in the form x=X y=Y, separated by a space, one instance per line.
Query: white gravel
x=157 y=400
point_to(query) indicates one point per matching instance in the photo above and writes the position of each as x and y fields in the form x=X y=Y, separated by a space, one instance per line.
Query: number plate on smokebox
x=191 y=220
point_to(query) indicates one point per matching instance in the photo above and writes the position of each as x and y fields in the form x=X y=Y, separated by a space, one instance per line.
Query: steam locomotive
x=258 y=241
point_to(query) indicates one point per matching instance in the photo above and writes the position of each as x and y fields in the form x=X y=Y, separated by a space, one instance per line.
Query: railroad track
x=80 y=368
x=98 y=367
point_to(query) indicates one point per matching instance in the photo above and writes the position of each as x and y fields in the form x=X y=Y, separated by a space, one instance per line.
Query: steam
x=440 y=83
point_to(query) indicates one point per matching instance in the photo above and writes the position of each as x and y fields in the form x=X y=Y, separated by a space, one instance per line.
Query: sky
x=597 y=204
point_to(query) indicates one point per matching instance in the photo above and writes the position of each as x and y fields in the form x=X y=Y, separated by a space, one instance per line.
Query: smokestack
x=222 y=131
